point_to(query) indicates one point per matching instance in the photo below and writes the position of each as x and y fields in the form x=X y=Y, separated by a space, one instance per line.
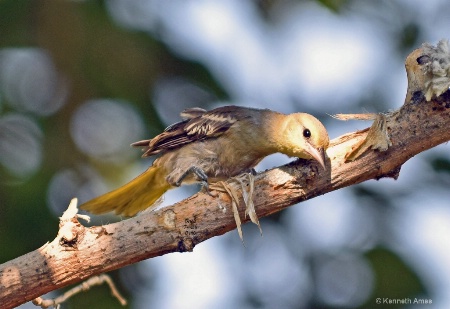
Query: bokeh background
x=81 y=80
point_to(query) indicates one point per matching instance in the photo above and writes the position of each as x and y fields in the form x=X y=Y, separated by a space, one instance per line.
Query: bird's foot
x=232 y=187
x=248 y=196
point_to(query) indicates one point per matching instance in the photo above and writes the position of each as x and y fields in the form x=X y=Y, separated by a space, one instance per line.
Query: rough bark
x=78 y=253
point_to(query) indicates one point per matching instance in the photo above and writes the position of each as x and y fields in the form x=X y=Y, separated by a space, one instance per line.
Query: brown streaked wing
x=172 y=137
x=207 y=124
x=215 y=122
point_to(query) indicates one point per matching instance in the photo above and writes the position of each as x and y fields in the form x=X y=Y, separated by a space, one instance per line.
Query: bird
x=210 y=146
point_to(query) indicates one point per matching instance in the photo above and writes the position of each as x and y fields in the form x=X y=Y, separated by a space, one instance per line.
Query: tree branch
x=78 y=252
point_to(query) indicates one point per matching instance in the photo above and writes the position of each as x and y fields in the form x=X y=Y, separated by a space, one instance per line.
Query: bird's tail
x=139 y=194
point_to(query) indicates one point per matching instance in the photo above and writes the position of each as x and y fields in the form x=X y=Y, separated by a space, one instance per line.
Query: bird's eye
x=306 y=133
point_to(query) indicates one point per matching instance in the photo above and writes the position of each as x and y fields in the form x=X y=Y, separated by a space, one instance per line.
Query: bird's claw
x=205 y=187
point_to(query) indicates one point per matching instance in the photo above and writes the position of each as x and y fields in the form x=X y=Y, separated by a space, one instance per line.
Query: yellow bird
x=209 y=146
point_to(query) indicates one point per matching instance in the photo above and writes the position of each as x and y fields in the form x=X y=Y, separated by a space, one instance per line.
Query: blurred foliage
x=333 y=5
x=409 y=36
x=102 y=60
x=371 y=196
x=441 y=164
x=394 y=279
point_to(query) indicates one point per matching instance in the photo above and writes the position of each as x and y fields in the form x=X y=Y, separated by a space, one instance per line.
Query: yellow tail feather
x=139 y=194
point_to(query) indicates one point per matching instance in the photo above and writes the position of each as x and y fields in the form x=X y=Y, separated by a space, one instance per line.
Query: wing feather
x=198 y=125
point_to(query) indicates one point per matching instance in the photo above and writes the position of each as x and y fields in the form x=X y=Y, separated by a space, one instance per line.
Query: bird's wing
x=199 y=125
x=194 y=112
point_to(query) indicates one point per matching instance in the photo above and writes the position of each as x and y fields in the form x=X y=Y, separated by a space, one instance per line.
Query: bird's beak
x=317 y=154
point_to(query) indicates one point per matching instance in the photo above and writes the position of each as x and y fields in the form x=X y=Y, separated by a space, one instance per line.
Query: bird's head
x=304 y=136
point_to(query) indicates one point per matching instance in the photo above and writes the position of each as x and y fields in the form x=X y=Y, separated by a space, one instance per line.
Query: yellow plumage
x=137 y=195
x=211 y=146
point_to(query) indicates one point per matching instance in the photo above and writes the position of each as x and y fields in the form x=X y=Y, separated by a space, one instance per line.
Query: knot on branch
x=70 y=229
x=428 y=71
x=185 y=245
x=436 y=65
